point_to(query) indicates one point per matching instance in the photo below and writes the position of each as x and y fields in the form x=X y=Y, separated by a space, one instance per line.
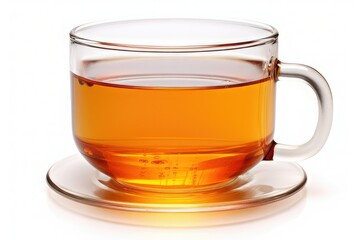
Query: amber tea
x=162 y=123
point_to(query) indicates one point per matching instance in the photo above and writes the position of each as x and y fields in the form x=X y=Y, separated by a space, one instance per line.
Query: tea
x=160 y=123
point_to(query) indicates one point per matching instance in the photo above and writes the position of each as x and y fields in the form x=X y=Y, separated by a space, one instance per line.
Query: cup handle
x=318 y=83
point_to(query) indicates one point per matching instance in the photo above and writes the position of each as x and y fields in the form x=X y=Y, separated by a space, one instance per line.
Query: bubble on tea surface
x=81 y=82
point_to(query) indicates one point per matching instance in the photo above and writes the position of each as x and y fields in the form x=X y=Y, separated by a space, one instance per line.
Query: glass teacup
x=182 y=104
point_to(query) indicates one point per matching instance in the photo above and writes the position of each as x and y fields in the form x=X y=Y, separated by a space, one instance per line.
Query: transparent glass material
x=318 y=83
x=182 y=106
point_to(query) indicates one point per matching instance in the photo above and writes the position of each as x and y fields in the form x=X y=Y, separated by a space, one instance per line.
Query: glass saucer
x=266 y=183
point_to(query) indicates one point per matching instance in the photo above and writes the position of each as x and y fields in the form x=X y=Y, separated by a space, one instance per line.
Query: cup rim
x=269 y=38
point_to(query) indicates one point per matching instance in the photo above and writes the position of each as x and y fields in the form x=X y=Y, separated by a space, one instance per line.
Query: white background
x=35 y=120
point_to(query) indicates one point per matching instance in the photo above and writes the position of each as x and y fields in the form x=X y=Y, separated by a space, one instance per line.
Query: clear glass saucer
x=266 y=183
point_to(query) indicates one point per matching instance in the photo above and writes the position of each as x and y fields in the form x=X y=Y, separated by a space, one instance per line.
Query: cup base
x=177 y=190
x=266 y=183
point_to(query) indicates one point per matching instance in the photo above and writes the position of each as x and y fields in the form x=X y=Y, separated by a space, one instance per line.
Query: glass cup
x=182 y=104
